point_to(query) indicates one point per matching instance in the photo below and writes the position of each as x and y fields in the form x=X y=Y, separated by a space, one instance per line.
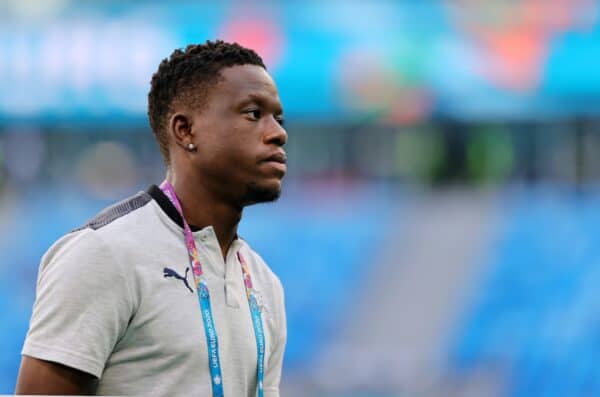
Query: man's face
x=239 y=137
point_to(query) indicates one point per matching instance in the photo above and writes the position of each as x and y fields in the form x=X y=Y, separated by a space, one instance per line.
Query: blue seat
x=537 y=312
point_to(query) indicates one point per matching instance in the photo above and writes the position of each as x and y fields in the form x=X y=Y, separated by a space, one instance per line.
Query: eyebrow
x=262 y=101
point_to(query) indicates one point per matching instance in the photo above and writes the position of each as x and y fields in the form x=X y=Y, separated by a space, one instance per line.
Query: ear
x=180 y=126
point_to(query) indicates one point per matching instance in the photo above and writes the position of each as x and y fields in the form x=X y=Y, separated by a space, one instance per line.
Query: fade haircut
x=187 y=77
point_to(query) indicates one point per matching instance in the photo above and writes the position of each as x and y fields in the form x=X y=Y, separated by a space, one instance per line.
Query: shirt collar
x=165 y=204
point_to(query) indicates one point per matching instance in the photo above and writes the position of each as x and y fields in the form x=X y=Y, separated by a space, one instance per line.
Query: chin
x=262 y=193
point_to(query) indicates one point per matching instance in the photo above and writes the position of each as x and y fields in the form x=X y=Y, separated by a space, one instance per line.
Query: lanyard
x=210 y=331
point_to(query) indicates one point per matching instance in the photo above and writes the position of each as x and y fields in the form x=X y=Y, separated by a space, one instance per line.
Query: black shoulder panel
x=117 y=210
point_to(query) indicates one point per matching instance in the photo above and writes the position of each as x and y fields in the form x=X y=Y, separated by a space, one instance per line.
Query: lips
x=277 y=161
x=278 y=157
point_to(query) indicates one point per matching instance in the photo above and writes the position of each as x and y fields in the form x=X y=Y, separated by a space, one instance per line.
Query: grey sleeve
x=274 y=367
x=83 y=304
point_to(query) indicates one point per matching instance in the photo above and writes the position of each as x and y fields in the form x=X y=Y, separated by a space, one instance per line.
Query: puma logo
x=172 y=273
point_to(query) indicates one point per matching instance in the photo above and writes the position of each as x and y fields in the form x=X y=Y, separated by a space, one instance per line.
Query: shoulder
x=82 y=265
x=76 y=243
x=118 y=211
x=90 y=247
x=119 y=227
x=258 y=265
x=81 y=252
x=84 y=237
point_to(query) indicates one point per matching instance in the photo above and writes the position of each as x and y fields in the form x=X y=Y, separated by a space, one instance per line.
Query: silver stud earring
x=191 y=147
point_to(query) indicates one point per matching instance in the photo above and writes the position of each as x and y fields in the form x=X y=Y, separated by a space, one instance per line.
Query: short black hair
x=188 y=75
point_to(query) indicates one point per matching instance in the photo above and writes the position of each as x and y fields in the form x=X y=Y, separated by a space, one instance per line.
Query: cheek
x=227 y=157
x=212 y=143
x=231 y=145
x=239 y=145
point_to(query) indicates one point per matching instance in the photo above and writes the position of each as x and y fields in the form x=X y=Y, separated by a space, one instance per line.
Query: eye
x=280 y=119
x=254 y=113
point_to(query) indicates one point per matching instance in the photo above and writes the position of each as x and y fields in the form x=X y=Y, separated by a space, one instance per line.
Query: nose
x=275 y=134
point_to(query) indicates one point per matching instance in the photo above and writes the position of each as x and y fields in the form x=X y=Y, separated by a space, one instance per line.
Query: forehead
x=241 y=82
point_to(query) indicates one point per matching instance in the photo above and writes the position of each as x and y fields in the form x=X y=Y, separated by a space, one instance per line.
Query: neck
x=203 y=208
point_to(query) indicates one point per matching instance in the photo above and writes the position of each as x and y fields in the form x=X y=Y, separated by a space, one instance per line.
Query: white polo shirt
x=104 y=306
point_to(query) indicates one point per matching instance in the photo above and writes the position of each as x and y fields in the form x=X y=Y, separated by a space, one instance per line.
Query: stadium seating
x=536 y=313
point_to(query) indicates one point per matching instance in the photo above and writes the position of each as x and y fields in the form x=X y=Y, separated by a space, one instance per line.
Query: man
x=157 y=294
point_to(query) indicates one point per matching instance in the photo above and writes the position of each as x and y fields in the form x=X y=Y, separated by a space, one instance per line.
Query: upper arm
x=82 y=307
x=45 y=377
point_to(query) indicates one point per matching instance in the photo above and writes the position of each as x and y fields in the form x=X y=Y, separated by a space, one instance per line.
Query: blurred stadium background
x=439 y=233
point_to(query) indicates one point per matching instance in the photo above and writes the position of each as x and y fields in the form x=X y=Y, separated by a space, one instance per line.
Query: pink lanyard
x=205 y=307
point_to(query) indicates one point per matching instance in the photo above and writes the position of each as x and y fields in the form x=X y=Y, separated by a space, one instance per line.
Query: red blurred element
x=370 y=83
x=409 y=107
x=517 y=57
x=261 y=35
x=515 y=36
